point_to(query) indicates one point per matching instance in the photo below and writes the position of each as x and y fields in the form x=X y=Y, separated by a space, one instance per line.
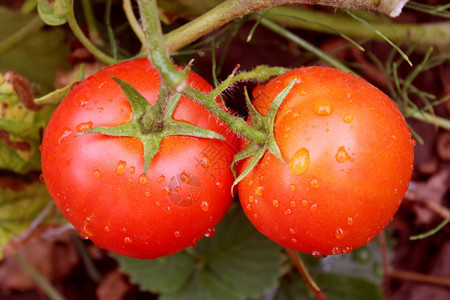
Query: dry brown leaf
x=113 y=287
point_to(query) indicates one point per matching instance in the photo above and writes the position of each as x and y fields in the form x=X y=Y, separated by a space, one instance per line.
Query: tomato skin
x=349 y=159
x=97 y=181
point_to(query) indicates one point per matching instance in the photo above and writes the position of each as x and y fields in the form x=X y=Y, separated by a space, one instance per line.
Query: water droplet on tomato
x=291 y=231
x=251 y=199
x=219 y=184
x=121 y=167
x=204 y=206
x=143 y=179
x=336 y=250
x=147 y=194
x=296 y=115
x=124 y=230
x=303 y=92
x=342 y=155
x=84 y=126
x=323 y=108
x=255 y=216
x=348 y=118
x=178 y=189
x=293 y=204
x=107 y=229
x=97 y=174
x=82 y=100
x=161 y=179
x=413 y=142
x=294 y=240
x=287 y=212
x=259 y=190
x=316 y=253
x=314 y=183
x=41 y=178
x=276 y=203
x=304 y=202
x=177 y=234
x=128 y=240
x=249 y=207
x=292 y=187
x=185 y=177
x=65 y=134
x=157 y=203
x=87 y=231
x=299 y=162
x=83 y=237
x=347 y=250
x=166 y=190
x=132 y=170
x=313 y=208
x=350 y=221
x=339 y=234
x=250 y=182
x=210 y=233
x=204 y=161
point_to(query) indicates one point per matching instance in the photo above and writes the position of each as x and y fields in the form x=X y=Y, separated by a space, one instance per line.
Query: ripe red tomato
x=349 y=159
x=97 y=181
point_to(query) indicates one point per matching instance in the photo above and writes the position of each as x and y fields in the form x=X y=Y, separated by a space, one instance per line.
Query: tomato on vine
x=348 y=156
x=98 y=180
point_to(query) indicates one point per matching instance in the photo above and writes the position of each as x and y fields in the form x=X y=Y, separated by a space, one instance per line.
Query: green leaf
x=20 y=131
x=19 y=208
x=238 y=263
x=38 y=56
x=53 y=12
x=58 y=95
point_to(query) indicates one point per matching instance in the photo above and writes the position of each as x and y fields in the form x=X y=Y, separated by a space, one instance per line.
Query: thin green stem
x=20 y=35
x=112 y=40
x=304 y=44
x=303 y=270
x=84 y=39
x=91 y=23
x=134 y=23
x=92 y=271
x=43 y=283
x=156 y=47
x=428 y=118
x=236 y=124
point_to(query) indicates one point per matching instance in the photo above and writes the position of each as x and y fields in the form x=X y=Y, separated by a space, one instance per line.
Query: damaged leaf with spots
x=21 y=125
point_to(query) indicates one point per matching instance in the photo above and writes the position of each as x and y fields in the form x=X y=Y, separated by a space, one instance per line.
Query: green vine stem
x=91 y=23
x=233 y=9
x=428 y=118
x=31 y=27
x=426 y=35
x=84 y=39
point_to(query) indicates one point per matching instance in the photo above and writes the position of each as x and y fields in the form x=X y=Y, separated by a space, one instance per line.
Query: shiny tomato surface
x=97 y=181
x=348 y=161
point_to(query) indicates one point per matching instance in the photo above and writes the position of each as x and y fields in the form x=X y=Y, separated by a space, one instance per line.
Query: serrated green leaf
x=18 y=209
x=52 y=12
x=38 y=56
x=20 y=131
x=238 y=263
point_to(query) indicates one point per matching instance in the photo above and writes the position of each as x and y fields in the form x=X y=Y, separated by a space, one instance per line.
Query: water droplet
x=177 y=234
x=339 y=234
x=299 y=162
x=276 y=203
x=395 y=191
x=347 y=250
x=204 y=161
x=296 y=115
x=413 y=142
x=128 y=240
x=204 y=206
x=65 y=134
x=219 y=184
x=41 y=178
x=251 y=199
x=132 y=170
x=342 y=156
x=157 y=203
x=255 y=216
x=281 y=182
x=87 y=231
x=249 y=207
x=293 y=204
x=350 y=221
x=210 y=232
x=178 y=189
x=304 y=202
x=143 y=179
x=294 y=241
x=185 y=177
x=161 y=179
x=323 y=108
x=124 y=230
x=316 y=253
x=250 y=182
x=147 y=194
x=165 y=190
x=97 y=174
x=394 y=137
x=313 y=208
x=292 y=187
x=314 y=183
x=84 y=126
x=336 y=250
x=291 y=231
x=121 y=166
x=287 y=212
x=259 y=190
x=303 y=92
x=107 y=229
x=348 y=118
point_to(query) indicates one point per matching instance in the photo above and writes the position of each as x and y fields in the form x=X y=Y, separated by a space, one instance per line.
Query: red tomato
x=349 y=159
x=97 y=181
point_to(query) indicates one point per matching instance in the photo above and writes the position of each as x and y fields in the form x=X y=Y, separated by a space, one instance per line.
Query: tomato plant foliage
x=97 y=180
x=348 y=160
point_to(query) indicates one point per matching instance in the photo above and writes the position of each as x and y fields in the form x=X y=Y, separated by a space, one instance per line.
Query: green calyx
x=149 y=125
x=265 y=124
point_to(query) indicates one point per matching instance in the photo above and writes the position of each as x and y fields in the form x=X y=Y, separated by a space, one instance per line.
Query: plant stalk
x=20 y=35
